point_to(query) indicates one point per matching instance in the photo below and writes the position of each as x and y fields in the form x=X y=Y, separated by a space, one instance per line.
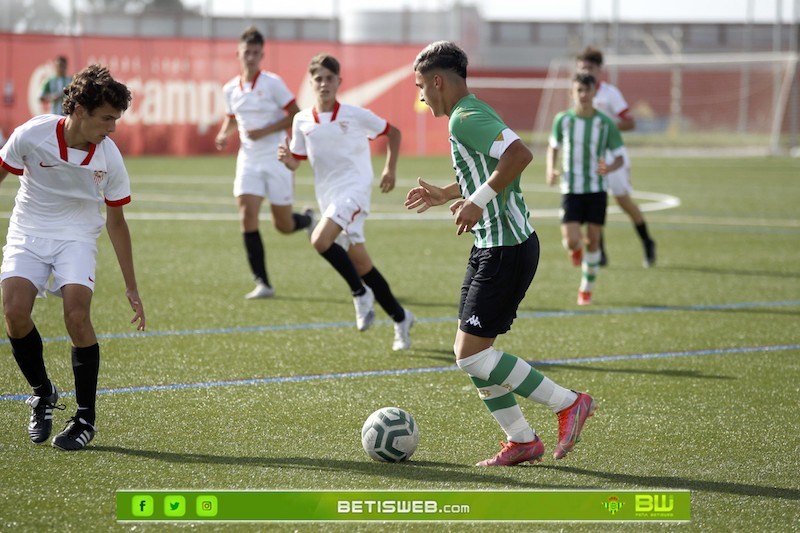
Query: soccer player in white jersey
x=68 y=169
x=335 y=139
x=609 y=100
x=261 y=107
x=585 y=135
x=488 y=159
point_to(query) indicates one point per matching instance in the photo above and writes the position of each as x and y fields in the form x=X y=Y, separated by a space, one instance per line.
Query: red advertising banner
x=177 y=85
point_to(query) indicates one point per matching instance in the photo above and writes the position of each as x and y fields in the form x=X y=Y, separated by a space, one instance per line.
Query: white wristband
x=483 y=195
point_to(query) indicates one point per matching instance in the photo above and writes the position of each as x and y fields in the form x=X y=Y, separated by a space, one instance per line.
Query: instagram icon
x=207 y=505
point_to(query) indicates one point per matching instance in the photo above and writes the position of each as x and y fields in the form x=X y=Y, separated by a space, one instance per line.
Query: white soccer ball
x=390 y=435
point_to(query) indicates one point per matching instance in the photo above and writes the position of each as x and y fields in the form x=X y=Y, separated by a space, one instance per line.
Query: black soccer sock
x=338 y=258
x=28 y=352
x=85 y=367
x=301 y=221
x=641 y=229
x=256 y=255
x=375 y=280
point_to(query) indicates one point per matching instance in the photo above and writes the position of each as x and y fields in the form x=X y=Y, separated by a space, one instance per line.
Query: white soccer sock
x=589 y=268
x=481 y=364
x=553 y=395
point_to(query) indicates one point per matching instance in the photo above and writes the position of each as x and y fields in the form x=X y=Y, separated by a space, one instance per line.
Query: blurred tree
x=32 y=16
x=135 y=6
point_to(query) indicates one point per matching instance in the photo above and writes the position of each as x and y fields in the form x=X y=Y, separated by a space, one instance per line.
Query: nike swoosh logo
x=41 y=164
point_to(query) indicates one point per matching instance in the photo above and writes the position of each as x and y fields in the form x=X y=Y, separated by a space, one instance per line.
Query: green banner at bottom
x=659 y=505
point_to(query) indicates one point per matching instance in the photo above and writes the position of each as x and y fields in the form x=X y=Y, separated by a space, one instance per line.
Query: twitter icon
x=174 y=505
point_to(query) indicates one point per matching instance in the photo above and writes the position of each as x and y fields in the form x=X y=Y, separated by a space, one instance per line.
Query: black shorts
x=583 y=208
x=494 y=285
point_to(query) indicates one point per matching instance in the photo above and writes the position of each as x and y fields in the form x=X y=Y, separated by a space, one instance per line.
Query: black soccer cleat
x=41 y=423
x=649 y=254
x=76 y=436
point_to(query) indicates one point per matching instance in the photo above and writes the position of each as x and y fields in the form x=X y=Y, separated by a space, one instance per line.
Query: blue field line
x=534 y=314
x=409 y=371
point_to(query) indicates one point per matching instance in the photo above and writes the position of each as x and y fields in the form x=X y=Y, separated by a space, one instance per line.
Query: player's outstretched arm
x=425 y=195
x=285 y=155
x=552 y=173
x=389 y=175
x=120 y=237
x=228 y=126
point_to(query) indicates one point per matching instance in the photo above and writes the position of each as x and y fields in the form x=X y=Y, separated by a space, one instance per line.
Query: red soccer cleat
x=570 y=423
x=514 y=453
x=584 y=298
x=576 y=256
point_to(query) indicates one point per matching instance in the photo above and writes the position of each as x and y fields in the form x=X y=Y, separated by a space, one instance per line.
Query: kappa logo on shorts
x=474 y=321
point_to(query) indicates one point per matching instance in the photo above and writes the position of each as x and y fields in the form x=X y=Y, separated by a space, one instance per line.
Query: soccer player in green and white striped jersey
x=584 y=135
x=488 y=159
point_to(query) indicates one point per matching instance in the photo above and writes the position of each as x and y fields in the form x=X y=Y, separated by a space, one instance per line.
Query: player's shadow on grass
x=426 y=471
x=606 y=370
x=445 y=356
x=677 y=482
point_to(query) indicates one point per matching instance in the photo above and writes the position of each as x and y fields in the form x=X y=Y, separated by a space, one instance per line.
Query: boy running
x=585 y=135
x=261 y=107
x=335 y=139
x=609 y=100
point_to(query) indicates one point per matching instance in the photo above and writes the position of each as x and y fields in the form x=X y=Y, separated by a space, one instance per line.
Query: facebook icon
x=142 y=505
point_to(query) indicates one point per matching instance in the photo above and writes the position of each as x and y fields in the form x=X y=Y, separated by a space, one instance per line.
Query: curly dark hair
x=92 y=87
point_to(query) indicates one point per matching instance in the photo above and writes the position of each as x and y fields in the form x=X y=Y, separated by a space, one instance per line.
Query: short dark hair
x=323 y=60
x=591 y=54
x=251 y=35
x=444 y=55
x=61 y=59
x=584 y=79
x=92 y=87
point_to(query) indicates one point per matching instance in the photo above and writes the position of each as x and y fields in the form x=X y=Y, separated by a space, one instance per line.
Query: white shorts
x=350 y=213
x=37 y=258
x=619 y=181
x=264 y=176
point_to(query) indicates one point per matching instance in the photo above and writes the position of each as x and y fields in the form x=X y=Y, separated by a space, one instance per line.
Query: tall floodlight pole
x=776 y=76
x=744 y=83
x=588 y=33
x=795 y=49
x=615 y=39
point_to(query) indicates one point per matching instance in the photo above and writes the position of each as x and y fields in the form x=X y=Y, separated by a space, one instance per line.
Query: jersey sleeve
x=478 y=130
x=281 y=93
x=118 y=188
x=370 y=122
x=502 y=142
x=226 y=95
x=618 y=104
x=45 y=88
x=615 y=144
x=297 y=146
x=12 y=154
x=556 y=136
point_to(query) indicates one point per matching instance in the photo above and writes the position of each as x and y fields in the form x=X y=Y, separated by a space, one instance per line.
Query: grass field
x=694 y=363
